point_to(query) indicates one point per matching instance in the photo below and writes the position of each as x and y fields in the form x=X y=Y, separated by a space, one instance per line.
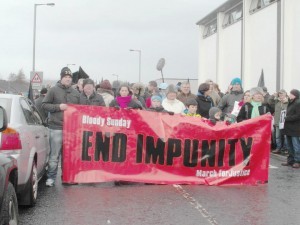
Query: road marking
x=273 y=167
x=196 y=204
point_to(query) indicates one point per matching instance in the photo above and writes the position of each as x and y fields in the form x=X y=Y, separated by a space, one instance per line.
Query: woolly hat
x=203 y=87
x=171 y=89
x=191 y=101
x=44 y=91
x=256 y=90
x=163 y=86
x=65 y=72
x=236 y=81
x=153 y=83
x=156 y=98
x=295 y=92
x=88 y=81
x=105 y=85
x=212 y=112
x=282 y=91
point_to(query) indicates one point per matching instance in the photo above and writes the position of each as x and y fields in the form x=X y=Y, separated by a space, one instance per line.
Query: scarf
x=123 y=101
x=255 y=111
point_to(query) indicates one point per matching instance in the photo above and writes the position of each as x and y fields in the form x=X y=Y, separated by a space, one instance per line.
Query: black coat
x=246 y=111
x=292 y=119
x=94 y=99
x=204 y=105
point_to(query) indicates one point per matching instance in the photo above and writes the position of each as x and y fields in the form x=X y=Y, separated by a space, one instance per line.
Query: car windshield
x=6 y=104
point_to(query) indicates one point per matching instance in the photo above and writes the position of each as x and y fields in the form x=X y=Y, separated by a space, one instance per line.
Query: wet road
x=276 y=203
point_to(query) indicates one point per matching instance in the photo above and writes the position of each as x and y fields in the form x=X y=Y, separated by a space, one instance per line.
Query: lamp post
x=115 y=75
x=34 y=32
x=140 y=58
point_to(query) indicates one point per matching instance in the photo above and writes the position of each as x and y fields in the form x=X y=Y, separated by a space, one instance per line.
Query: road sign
x=36 y=79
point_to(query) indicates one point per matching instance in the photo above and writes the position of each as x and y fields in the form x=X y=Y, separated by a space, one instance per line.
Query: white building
x=243 y=37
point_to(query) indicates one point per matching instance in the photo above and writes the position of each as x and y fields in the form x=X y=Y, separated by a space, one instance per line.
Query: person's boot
x=296 y=165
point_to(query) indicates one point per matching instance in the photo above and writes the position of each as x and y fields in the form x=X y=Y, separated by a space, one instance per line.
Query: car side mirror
x=3 y=119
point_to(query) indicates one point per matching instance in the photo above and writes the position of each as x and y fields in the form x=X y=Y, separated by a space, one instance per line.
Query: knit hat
x=212 y=112
x=88 y=81
x=191 y=101
x=282 y=91
x=236 y=81
x=44 y=91
x=163 y=86
x=156 y=98
x=171 y=89
x=65 y=72
x=256 y=90
x=295 y=92
x=203 y=87
x=105 y=85
x=153 y=83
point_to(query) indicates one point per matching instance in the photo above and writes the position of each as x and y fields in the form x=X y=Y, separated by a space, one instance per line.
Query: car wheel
x=33 y=187
x=9 y=214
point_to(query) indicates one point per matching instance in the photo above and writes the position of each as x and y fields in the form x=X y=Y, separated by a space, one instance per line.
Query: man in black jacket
x=55 y=102
x=292 y=129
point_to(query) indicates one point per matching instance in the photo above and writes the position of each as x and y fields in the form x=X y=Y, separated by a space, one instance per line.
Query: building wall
x=291 y=44
x=261 y=51
x=230 y=56
x=267 y=40
x=208 y=58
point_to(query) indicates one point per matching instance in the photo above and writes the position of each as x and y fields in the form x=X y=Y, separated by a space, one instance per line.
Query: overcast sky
x=97 y=35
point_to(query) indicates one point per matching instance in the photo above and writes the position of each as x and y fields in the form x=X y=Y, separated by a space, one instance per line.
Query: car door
x=39 y=132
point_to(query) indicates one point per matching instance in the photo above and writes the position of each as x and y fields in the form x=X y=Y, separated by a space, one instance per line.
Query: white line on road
x=196 y=204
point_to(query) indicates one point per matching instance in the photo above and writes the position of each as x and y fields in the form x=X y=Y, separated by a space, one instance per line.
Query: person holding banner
x=254 y=108
x=88 y=95
x=292 y=129
x=156 y=106
x=55 y=102
x=124 y=99
x=279 y=102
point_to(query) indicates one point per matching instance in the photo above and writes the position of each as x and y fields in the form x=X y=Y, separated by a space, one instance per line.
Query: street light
x=116 y=76
x=140 y=58
x=71 y=64
x=34 y=31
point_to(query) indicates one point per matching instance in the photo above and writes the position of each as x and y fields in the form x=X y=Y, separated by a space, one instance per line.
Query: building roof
x=223 y=8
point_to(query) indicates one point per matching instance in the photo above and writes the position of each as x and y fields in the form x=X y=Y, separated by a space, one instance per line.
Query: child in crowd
x=191 y=108
x=215 y=115
x=155 y=106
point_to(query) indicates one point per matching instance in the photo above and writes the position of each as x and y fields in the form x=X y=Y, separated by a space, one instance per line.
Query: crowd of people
x=209 y=103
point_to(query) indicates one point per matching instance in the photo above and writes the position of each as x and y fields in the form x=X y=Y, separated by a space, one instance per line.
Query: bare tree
x=12 y=77
x=21 y=76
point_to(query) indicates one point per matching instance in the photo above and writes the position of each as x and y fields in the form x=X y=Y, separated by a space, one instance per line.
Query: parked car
x=8 y=183
x=26 y=139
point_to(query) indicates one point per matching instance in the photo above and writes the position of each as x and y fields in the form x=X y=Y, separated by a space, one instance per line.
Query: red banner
x=105 y=144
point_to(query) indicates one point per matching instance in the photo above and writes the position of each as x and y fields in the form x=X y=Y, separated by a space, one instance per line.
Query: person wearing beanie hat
x=292 y=129
x=279 y=102
x=156 y=106
x=55 y=103
x=234 y=94
x=89 y=96
x=203 y=99
x=38 y=103
x=255 y=108
x=65 y=72
x=191 y=108
x=105 y=90
x=170 y=103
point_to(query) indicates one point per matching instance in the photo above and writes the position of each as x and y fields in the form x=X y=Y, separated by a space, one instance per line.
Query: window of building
x=210 y=29
x=233 y=15
x=260 y=4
